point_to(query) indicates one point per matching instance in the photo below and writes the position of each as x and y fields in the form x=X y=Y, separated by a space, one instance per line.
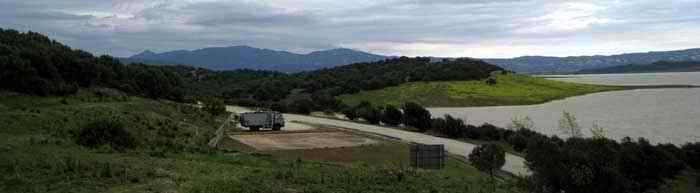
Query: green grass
x=509 y=90
x=38 y=153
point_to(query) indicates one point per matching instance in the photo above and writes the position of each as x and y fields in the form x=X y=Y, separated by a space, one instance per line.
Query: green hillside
x=166 y=151
x=508 y=90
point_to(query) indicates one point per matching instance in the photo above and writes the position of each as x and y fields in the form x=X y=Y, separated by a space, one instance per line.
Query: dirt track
x=514 y=164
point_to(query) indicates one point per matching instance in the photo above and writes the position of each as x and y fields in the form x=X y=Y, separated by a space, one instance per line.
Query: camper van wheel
x=276 y=127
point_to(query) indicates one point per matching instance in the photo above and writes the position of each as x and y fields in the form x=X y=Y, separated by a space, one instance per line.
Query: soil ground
x=286 y=141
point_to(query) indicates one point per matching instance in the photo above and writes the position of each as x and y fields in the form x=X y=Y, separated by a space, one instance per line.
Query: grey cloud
x=165 y=25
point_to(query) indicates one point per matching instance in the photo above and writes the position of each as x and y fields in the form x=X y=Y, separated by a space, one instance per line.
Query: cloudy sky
x=449 y=28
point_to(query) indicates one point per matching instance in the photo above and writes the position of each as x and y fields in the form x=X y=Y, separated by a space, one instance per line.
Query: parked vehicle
x=262 y=119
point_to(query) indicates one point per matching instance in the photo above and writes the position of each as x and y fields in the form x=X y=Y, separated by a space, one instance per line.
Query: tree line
x=316 y=90
x=32 y=63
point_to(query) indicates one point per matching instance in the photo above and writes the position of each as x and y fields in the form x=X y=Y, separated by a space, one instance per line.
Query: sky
x=442 y=28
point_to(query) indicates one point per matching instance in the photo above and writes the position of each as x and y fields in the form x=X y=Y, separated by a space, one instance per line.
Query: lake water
x=660 y=115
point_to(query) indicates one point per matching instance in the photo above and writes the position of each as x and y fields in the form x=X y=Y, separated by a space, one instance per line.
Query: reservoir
x=667 y=115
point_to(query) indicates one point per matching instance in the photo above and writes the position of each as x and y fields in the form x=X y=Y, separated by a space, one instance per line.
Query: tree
x=368 y=112
x=392 y=115
x=453 y=127
x=373 y=115
x=521 y=123
x=488 y=158
x=569 y=126
x=597 y=131
x=416 y=116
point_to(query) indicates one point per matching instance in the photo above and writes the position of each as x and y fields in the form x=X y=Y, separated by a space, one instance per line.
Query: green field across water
x=509 y=90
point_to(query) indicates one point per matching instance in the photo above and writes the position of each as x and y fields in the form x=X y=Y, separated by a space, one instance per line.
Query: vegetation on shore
x=508 y=89
x=598 y=164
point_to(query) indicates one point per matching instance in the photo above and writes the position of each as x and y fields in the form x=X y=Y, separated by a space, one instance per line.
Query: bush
x=437 y=124
x=301 y=106
x=472 y=132
x=392 y=116
x=518 y=141
x=692 y=154
x=373 y=116
x=449 y=126
x=491 y=81
x=369 y=113
x=487 y=132
x=214 y=106
x=350 y=113
x=279 y=107
x=416 y=116
x=598 y=165
x=106 y=132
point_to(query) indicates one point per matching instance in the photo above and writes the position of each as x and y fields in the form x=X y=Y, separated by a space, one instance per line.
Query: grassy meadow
x=509 y=89
x=167 y=152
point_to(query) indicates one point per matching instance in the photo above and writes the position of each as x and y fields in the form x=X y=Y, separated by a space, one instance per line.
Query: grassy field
x=39 y=153
x=509 y=90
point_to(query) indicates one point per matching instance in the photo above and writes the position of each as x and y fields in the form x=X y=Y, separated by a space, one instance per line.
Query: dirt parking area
x=290 y=141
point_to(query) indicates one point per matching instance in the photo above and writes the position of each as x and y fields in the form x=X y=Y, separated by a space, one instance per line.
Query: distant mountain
x=238 y=57
x=543 y=64
x=662 y=66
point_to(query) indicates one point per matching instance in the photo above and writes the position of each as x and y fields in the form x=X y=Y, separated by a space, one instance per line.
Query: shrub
x=214 y=106
x=692 y=154
x=416 y=116
x=489 y=132
x=373 y=116
x=491 y=81
x=301 y=106
x=279 y=107
x=598 y=165
x=438 y=124
x=369 y=113
x=518 y=141
x=472 y=132
x=569 y=126
x=392 y=116
x=106 y=132
x=350 y=113
x=453 y=127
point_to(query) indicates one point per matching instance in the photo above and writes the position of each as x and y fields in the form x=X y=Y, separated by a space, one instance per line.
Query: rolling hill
x=239 y=57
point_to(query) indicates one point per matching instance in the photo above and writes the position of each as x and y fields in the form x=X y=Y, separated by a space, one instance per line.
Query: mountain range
x=237 y=57
x=545 y=64
x=661 y=66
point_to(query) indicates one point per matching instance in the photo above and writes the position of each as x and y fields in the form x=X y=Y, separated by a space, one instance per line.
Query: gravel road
x=514 y=164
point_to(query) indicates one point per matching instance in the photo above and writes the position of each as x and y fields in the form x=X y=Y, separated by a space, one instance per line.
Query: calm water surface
x=660 y=115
